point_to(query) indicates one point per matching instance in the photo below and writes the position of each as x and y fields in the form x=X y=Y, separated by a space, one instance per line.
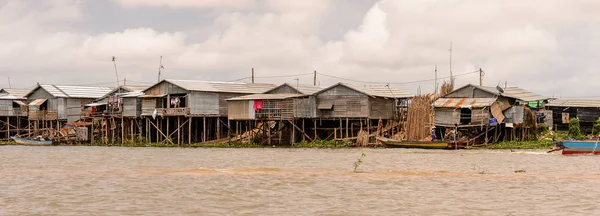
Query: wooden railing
x=173 y=111
x=43 y=115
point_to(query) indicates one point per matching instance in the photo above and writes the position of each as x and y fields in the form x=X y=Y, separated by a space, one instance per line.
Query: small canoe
x=25 y=141
x=570 y=147
x=414 y=144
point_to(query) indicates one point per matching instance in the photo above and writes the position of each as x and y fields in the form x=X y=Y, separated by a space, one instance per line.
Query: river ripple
x=212 y=181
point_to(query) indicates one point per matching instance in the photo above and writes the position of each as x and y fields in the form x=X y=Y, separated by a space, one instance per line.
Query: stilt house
x=61 y=103
x=122 y=100
x=13 y=108
x=586 y=110
x=201 y=103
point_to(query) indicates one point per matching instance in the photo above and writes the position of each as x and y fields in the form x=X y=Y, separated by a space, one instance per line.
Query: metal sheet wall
x=446 y=116
x=131 y=107
x=203 y=103
x=347 y=103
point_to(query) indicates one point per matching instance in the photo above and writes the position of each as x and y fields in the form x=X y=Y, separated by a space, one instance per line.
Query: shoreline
x=542 y=144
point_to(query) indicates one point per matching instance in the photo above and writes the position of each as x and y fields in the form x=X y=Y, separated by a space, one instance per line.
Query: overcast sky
x=548 y=46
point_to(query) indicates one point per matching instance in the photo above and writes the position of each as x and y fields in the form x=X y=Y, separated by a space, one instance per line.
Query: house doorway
x=465 y=116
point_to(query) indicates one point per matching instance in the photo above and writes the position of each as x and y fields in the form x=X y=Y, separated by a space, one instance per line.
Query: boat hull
x=580 y=147
x=24 y=141
x=414 y=144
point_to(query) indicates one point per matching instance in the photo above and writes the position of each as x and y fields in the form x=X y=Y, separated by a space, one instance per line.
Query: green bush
x=575 y=129
x=596 y=128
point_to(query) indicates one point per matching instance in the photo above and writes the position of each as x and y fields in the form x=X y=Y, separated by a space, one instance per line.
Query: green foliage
x=323 y=144
x=541 y=144
x=575 y=129
x=519 y=171
x=596 y=128
x=359 y=161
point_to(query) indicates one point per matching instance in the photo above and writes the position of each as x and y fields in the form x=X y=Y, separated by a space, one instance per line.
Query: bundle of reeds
x=362 y=140
x=420 y=117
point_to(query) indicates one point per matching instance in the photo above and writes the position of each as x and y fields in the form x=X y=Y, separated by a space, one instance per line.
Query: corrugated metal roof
x=301 y=88
x=18 y=93
x=575 y=102
x=512 y=92
x=463 y=102
x=265 y=97
x=130 y=90
x=375 y=90
x=134 y=88
x=37 y=102
x=229 y=87
x=76 y=91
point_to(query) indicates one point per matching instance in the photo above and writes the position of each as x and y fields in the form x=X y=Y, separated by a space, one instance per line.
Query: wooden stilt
x=347 y=128
x=157 y=122
x=132 y=133
x=352 y=130
x=269 y=133
x=8 y=128
x=204 y=134
x=303 y=129
x=315 y=128
x=122 y=130
x=280 y=133
x=218 y=128
x=168 y=132
x=293 y=136
x=190 y=130
x=178 y=131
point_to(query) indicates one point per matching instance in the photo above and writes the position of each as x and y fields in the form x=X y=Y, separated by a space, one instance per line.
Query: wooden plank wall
x=347 y=103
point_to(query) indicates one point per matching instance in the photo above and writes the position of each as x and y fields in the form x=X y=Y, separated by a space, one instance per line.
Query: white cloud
x=189 y=3
x=536 y=45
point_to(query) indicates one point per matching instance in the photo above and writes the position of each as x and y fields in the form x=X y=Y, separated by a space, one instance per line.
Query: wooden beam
x=304 y=133
x=204 y=134
x=218 y=127
x=159 y=131
x=178 y=131
x=347 y=128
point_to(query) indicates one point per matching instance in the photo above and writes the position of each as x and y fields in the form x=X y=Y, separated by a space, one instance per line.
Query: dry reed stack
x=420 y=117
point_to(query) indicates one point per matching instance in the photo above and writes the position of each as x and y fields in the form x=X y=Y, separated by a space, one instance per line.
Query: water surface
x=210 y=181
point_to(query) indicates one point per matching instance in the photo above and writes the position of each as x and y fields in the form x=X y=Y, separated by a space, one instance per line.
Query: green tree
x=575 y=129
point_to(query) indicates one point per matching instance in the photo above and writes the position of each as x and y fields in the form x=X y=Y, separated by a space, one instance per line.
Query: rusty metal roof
x=266 y=97
x=575 y=102
x=62 y=91
x=212 y=86
x=17 y=93
x=463 y=102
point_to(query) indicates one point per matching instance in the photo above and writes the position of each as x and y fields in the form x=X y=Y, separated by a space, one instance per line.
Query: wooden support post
x=168 y=132
x=280 y=131
x=132 y=133
x=190 y=130
x=334 y=136
x=237 y=128
x=347 y=128
x=269 y=132
x=218 y=128
x=303 y=129
x=122 y=130
x=293 y=136
x=487 y=126
x=157 y=129
x=352 y=130
x=341 y=128
x=8 y=128
x=368 y=126
x=178 y=131
x=157 y=122
x=204 y=134
x=228 y=128
x=315 y=128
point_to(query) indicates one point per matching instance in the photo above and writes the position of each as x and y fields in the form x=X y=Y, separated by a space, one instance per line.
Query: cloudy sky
x=548 y=46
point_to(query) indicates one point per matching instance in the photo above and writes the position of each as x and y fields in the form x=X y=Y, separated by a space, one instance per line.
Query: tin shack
x=587 y=110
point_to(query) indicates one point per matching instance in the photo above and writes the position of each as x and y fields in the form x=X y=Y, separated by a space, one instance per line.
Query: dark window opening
x=465 y=116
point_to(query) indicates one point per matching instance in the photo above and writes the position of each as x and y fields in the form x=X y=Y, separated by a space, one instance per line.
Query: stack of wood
x=420 y=117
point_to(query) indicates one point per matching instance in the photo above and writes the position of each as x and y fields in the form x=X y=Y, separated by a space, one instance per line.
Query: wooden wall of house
x=10 y=108
x=223 y=101
x=148 y=106
x=74 y=106
x=587 y=117
x=480 y=115
x=347 y=103
x=305 y=107
x=469 y=92
x=203 y=103
x=240 y=110
x=132 y=107
x=284 y=89
x=446 y=116
x=165 y=88
x=381 y=108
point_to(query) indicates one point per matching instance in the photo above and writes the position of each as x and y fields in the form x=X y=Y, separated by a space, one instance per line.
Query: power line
x=401 y=83
x=282 y=76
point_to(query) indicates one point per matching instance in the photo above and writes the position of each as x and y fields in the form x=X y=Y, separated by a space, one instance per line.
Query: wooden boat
x=36 y=141
x=570 y=147
x=415 y=144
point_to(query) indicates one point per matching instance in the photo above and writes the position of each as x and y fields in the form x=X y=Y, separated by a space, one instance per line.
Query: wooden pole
x=132 y=133
x=280 y=133
x=169 y=137
x=487 y=126
x=122 y=129
x=158 y=123
x=269 y=132
x=218 y=128
x=190 y=130
x=347 y=128
x=204 y=135
x=178 y=131
x=352 y=130
x=8 y=128
x=303 y=129
x=341 y=128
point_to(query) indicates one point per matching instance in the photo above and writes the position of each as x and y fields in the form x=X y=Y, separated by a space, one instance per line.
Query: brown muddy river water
x=173 y=181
